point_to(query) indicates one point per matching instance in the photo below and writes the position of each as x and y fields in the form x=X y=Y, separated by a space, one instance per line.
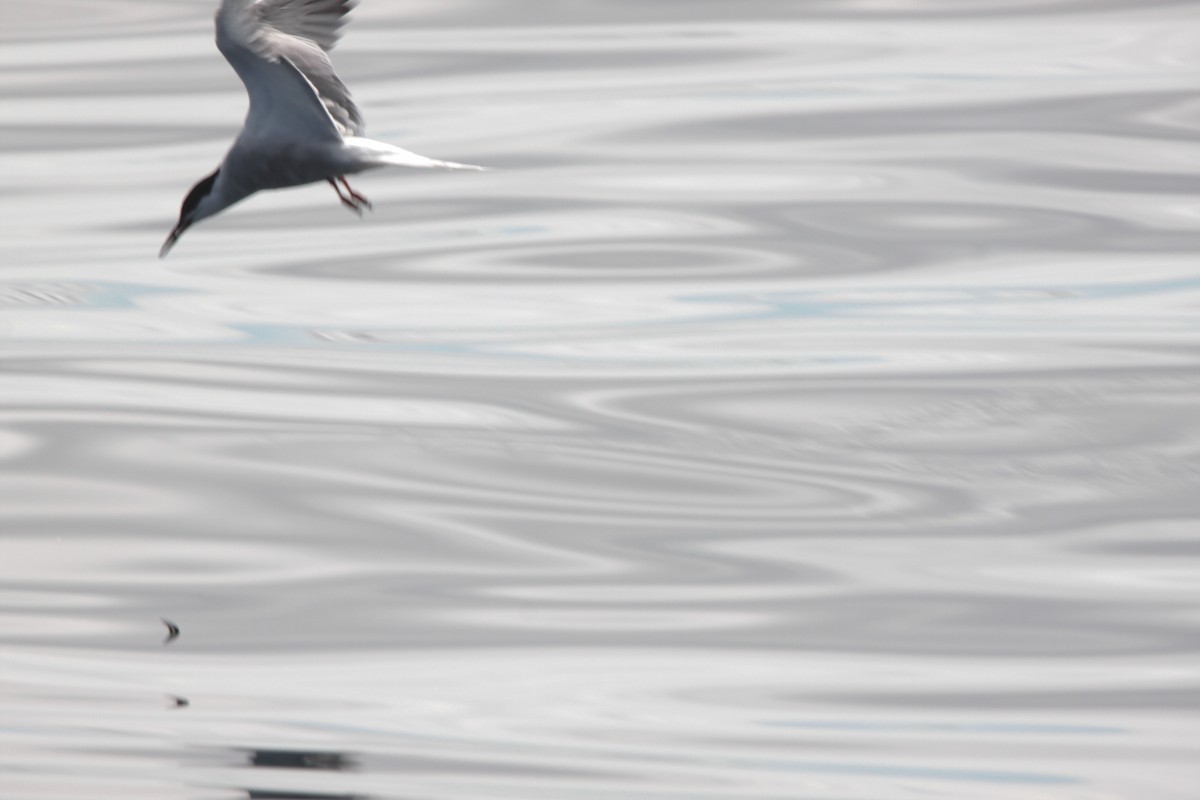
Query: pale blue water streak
x=803 y=407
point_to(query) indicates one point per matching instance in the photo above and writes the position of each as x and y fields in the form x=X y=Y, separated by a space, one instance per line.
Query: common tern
x=302 y=126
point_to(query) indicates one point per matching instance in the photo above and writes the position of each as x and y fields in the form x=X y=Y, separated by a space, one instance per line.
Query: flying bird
x=302 y=126
x=172 y=630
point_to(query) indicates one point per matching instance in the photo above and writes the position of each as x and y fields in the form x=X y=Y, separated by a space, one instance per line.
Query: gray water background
x=804 y=407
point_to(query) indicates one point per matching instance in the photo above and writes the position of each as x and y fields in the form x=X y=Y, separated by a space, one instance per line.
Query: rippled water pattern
x=805 y=406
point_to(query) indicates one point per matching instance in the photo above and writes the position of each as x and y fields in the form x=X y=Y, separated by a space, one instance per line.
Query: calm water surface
x=804 y=407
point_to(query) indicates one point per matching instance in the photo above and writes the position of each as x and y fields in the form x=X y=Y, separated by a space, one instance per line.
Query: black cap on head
x=198 y=193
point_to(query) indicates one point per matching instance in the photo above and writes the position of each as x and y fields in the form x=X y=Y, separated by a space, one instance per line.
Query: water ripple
x=802 y=406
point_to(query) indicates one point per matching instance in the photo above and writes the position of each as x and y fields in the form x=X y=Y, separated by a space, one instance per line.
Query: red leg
x=364 y=201
x=348 y=202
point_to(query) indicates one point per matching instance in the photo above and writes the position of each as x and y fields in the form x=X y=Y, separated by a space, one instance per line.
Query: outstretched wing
x=278 y=49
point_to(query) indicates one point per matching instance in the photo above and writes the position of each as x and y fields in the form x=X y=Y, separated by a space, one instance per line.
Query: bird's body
x=302 y=126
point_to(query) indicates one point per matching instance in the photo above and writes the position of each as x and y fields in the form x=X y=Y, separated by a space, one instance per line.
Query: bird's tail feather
x=383 y=153
x=403 y=158
x=430 y=162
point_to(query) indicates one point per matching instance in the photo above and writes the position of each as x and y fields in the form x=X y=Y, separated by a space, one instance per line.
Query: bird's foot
x=353 y=194
x=355 y=202
x=353 y=206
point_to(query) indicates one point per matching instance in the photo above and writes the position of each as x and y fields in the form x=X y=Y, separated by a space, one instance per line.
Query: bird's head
x=201 y=202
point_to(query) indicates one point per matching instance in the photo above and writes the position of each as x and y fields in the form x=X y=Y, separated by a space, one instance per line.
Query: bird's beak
x=173 y=237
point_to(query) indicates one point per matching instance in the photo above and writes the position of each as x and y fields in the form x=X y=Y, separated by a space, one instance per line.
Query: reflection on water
x=300 y=759
x=803 y=407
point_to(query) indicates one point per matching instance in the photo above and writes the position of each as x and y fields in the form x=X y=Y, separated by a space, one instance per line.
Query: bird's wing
x=278 y=49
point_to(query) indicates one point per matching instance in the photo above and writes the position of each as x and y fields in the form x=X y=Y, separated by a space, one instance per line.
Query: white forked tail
x=382 y=153
x=432 y=162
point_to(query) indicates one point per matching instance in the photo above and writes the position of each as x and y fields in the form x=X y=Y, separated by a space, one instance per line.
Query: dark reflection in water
x=322 y=761
x=301 y=759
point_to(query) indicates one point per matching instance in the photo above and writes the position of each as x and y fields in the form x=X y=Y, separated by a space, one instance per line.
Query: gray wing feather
x=300 y=31
x=318 y=21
